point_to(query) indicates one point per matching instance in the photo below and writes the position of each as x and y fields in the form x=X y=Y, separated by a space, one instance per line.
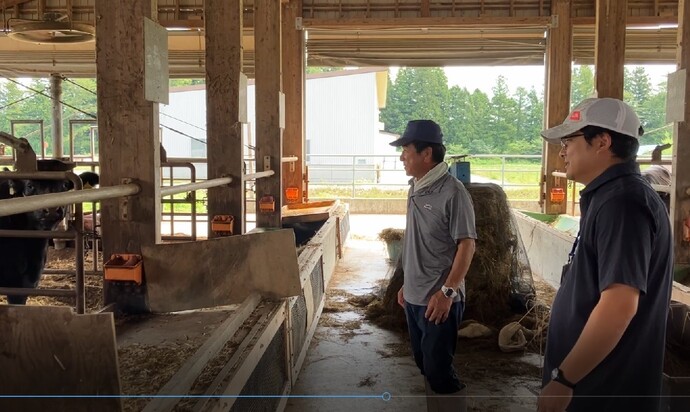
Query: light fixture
x=51 y=30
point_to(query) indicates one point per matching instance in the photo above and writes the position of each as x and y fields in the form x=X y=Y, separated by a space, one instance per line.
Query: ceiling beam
x=402 y=22
x=6 y=4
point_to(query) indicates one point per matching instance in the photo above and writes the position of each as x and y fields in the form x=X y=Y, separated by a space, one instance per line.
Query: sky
x=484 y=77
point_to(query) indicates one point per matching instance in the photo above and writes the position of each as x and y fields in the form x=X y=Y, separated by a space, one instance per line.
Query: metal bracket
x=124 y=200
x=554 y=21
x=298 y=24
x=267 y=163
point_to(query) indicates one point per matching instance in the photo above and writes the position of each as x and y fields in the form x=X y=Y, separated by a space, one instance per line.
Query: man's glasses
x=566 y=140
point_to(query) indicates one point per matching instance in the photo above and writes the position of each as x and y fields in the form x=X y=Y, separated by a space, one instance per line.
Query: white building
x=342 y=120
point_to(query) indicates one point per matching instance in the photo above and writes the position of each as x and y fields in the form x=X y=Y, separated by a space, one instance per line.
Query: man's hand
x=555 y=397
x=401 y=299
x=438 y=309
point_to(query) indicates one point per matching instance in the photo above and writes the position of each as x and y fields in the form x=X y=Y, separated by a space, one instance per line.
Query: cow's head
x=44 y=218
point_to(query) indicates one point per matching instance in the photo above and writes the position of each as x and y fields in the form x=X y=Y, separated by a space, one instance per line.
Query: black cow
x=23 y=259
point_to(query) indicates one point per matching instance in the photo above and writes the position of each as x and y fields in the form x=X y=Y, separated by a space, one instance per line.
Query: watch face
x=449 y=292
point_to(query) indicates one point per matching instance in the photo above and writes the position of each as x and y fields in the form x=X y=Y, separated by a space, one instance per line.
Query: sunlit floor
x=352 y=365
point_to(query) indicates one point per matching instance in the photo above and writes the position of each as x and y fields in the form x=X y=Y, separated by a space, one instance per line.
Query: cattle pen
x=261 y=310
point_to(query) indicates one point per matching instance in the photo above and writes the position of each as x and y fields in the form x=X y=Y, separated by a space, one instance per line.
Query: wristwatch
x=449 y=292
x=557 y=376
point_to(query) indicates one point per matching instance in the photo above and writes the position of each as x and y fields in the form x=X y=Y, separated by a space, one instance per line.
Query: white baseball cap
x=606 y=112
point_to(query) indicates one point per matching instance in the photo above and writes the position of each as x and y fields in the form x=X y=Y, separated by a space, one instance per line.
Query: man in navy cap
x=437 y=250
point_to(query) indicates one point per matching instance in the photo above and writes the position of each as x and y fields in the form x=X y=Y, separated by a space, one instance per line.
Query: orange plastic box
x=223 y=224
x=124 y=267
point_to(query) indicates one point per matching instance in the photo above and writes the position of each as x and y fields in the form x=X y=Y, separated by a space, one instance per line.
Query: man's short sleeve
x=461 y=223
x=624 y=235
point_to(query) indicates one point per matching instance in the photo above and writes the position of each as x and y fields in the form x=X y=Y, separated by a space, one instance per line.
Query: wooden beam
x=558 y=71
x=680 y=179
x=609 y=52
x=293 y=84
x=6 y=4
x=247 y=363
x=184 y=378
x=402 y=22
x=121 y=59
x=41 y=8
x=224 y=147
x=631 y=21
x=269 y=129
x=425 y=9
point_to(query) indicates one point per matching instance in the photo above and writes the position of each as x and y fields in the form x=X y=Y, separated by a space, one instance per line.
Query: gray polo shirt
x=438 y=216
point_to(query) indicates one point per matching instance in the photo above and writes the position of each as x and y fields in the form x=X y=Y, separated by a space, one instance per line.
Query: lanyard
x=571 y=255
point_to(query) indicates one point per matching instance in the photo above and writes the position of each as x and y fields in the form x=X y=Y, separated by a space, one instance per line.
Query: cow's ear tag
x=11 y=190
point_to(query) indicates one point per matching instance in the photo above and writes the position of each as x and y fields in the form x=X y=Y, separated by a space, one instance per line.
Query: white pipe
x=29 y=203
x=258 y=175
x=559 y=174
x=172 y=190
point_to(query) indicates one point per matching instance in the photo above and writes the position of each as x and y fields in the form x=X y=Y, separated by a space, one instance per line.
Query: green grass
x=517 y=171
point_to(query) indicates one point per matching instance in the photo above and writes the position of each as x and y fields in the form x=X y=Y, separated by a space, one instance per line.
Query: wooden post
x=558 y=69
x=269 y=109
x=129 y=131
x=293 y=84
x=56 y=95
x=223 y=34
x=680 y=179
x=609 y=53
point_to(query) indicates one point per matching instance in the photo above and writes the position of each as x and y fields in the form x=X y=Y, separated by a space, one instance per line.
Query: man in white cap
x=437 y=250
x=606 y=338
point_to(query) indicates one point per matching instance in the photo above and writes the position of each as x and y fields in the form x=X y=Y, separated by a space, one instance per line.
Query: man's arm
x=461 y=263
x=602 y=332
x=439 y=306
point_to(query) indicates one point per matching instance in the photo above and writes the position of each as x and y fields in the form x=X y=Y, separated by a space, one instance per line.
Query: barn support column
x=225 y=111
x=270 y=118
x=56 y=97
x=609 y=52
x=132 y=73
x=558 y=72
x=293 y=54
x=680 y=180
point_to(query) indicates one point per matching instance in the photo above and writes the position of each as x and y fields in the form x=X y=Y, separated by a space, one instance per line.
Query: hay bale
x=499 y=274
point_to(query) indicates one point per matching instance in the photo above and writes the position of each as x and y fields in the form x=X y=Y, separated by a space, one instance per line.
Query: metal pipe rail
x=29 y=203
x=258 y=175
x=38 y=292
x=173 y=190
x=220 y=181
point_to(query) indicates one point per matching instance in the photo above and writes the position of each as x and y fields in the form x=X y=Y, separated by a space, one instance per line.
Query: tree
x=582 y=85
x=186 y=82
x=323 y=69
x=417 y=93
x=504 y=116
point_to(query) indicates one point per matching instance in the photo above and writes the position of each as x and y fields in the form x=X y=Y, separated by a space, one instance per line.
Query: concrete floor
x=352 y=365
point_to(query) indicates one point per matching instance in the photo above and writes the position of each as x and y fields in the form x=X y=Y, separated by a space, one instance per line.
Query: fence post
x=503 y=172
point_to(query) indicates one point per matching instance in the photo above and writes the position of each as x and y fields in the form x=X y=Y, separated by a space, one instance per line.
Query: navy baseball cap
x=420 y=131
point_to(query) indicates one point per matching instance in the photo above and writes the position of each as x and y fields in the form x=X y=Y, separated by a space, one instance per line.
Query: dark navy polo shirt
x=625 y=237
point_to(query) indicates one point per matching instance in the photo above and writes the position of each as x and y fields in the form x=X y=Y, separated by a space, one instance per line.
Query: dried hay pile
x=499 y=279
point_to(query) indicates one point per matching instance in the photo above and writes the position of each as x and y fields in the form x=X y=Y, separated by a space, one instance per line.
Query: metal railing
x=362 y=172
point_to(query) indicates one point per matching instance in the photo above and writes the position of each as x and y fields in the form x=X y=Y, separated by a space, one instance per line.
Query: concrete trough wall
x=547 y=248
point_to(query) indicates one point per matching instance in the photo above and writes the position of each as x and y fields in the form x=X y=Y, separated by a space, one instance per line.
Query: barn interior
x=229 y=320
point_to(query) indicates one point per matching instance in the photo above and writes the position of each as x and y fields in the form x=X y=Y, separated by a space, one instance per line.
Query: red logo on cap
x=575 y=116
